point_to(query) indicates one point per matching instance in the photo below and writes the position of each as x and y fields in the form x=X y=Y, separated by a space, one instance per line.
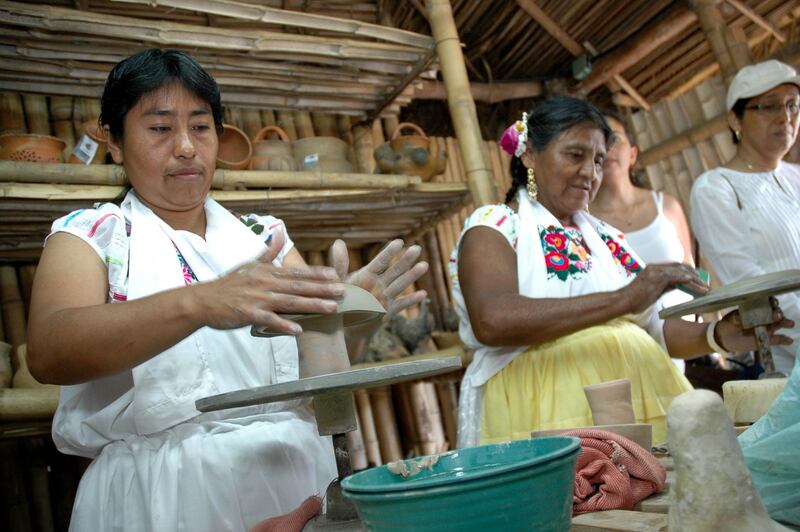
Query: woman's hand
x=257 y=291
x=730 y=335
x=386 y=281
x=656 y=279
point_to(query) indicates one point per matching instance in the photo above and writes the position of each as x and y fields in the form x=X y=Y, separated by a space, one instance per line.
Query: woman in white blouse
x=746 y=214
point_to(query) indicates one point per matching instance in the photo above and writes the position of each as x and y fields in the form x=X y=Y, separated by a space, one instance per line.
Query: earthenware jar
x=235 y=149
x=91 y=147
x=610 y=402
x=31 y=148
x=272 y=154
x=323 y=154
x=411 y=154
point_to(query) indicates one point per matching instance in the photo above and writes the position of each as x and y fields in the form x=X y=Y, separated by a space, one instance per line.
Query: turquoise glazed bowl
x=519 y=485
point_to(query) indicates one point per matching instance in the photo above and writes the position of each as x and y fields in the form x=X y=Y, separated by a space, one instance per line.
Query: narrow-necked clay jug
x=270 y=154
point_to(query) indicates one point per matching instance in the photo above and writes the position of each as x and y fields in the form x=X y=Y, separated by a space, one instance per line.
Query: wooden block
x=658 y=503
x=616 y=520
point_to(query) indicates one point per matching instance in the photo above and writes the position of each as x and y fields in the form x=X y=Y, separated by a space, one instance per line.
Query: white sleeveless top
x=658 y=242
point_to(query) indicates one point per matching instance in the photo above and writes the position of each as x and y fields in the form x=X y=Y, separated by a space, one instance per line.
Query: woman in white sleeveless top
x=653 y=222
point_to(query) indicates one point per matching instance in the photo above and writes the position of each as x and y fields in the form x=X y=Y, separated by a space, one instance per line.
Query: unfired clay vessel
x=235 y=149
x=95 y=133
x=269 y=154
x=610 y=402
x=713 y=488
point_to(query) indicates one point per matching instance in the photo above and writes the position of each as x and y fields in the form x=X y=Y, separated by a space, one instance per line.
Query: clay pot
x=91 y=147
x=324 y=154
x=411 y=154
x=235 y=149
x=610 y=402
x=31 y=148
x=271 y=154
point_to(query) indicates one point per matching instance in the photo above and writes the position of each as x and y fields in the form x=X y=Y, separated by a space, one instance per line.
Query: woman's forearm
x=510 y=320
x=685 y=339
x=75 y=345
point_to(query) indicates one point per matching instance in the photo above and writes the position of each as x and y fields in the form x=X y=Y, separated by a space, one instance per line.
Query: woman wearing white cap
x=746 y=214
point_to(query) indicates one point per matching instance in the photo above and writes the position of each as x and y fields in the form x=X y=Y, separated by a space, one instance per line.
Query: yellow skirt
x=542 y=388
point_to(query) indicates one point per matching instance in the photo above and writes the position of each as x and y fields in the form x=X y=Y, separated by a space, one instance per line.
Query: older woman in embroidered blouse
x=142 y=308
x=745 y=213
x=563 y=302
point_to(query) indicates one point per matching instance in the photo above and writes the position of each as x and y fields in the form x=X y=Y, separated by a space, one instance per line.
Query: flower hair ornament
x=514 y=138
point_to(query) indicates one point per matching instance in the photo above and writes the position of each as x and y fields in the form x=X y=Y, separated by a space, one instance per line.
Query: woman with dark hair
x=140 y=309
x=745 y=214
x=653 y=222
x=551 y=299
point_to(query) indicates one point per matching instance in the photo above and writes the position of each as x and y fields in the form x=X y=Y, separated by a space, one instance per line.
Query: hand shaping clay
x=713 y=488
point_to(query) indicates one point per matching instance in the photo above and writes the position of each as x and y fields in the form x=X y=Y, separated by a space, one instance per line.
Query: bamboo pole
x=285 y=121
x=298 y=19
x=367 y=424
x=363 y=148
x=683 y=141
x=6 y=372
x=163 y=33
x=730 y=50
x=460 y=102
x=26 y=275
x=448 y=399
x=28 y=403
x=36 y=113
x=390 y=123
x=758 y=20
x=268 y=119
x=13 y=310
x=22 y=375
x=302 y=122
x=113 y=175
x=385 y=425
x=356 y=450
x=378 y=137
x=251 y=122
x=483 y=92
x=438 y=273
x=61 y=112
x=428 y=417
x=401 y=394
x=324 y=124
x=343 y=125
x=12 y=117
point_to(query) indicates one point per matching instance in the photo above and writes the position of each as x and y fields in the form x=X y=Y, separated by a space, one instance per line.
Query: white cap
x=757 y=79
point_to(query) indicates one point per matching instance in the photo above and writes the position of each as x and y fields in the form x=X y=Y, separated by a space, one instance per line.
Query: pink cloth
x=613 y=472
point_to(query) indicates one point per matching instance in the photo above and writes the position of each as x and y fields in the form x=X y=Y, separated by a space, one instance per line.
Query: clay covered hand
x=258 y=291
x=731 y=336
x=386 y=276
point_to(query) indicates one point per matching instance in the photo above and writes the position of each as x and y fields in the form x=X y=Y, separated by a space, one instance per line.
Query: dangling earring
x=738 y=135
x=533 y=190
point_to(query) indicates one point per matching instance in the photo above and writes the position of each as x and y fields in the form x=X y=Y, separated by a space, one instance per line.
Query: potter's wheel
x=752 y=297
x=343 y=381
x=754 y=288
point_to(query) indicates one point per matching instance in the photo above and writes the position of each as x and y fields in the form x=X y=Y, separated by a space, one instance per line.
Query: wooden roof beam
x=758 y=20
x=297 y=19
x=673 y=23
x=574 y=47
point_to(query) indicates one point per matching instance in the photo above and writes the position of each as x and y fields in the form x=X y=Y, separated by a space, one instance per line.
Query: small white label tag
x=85 y=149
x=311 y=159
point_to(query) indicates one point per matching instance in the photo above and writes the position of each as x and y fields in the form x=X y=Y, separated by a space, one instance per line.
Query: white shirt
x=748 y=224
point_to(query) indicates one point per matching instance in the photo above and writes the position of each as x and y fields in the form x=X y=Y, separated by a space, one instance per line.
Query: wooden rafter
x=575 y=48
x=758 y=19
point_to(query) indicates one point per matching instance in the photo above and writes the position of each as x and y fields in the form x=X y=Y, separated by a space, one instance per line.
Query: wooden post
x=428 y=418
x=460 y=102
x=730 y=48
x=251 y=122
x=285 y=120
x=324 y=124
x=302 y=121
x=13 y=310
x=448 y=399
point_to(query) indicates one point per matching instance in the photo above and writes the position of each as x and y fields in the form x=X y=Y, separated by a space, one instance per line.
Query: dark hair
x=738 y=110
x=146 y=71
x=547 y=121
